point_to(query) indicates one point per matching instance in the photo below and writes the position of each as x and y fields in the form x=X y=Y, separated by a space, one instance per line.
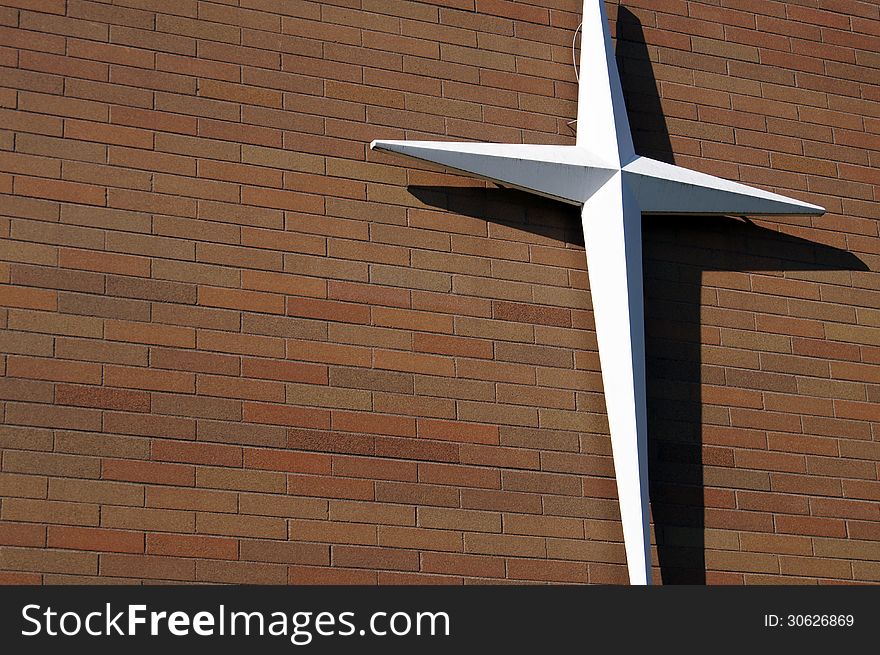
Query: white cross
x=614 y=187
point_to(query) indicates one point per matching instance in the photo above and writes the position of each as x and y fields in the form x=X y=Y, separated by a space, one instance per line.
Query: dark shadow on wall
x=676 y=251
x=646 y=120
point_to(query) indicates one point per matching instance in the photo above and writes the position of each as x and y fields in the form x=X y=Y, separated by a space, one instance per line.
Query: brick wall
x=239 y=346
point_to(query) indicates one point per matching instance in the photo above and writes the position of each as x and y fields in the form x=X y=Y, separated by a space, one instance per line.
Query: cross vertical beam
x=603 y=124
x=612 y=224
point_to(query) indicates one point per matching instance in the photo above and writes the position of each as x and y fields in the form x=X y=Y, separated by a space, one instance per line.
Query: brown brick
x=456 y=519
x=549 y=526
x=311 y=575
x=229 y=387
x=82 y=396
x=70 y=303
x=88 y=194
x=149 y=333
x=296 y=285
x=47 y=561
x=416 y=493
x=373 y=424
x=283 y=415
x=150 y=289
x=28 y=298
x=361 y=512
x=152 y=380
x=547 y=570
x=97 y=491
x=84 y=443
x=152 y=425
x=60 y=324
x=375 y=558
x=449 y=345
x=199 y=362
x=238 y=479
x=242 y=344
x=54 y=370
x=150 y=472
x=241 y=526
x=49 y=511
x=53 y=416
x=274 y=460
x=241 y=433
x=413 y=363
x=288 y=507
x=370 y=467
x=240 y=572
x=23 y=534
x=176 y=545
x=195 y=453
x=110 y=541
x=147 y=566
x=471 y=565
x=285 y=552
x=333 y=532
x=191 y=499
x=322 y=486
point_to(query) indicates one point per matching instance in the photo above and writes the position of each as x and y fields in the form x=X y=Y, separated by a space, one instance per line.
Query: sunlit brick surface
x=238 y=346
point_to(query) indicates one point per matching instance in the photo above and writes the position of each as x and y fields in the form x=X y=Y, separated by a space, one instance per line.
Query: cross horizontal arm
x=563 y=173
x=662 y=188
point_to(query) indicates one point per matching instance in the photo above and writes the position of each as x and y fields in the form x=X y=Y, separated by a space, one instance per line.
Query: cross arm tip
x=389 y=145
x=815 y=210
x=796 y=207
x=400 y=147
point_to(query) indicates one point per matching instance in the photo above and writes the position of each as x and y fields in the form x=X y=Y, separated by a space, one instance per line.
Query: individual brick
x=95 y=539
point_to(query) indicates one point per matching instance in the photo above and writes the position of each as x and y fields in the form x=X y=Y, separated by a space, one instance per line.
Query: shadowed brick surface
x=237 y=346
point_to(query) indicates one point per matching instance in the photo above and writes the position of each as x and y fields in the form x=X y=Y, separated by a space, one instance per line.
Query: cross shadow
x=646 y=120
x=676 y=253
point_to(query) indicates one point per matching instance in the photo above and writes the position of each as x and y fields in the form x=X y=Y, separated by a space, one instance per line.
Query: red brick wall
x=239 y=346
